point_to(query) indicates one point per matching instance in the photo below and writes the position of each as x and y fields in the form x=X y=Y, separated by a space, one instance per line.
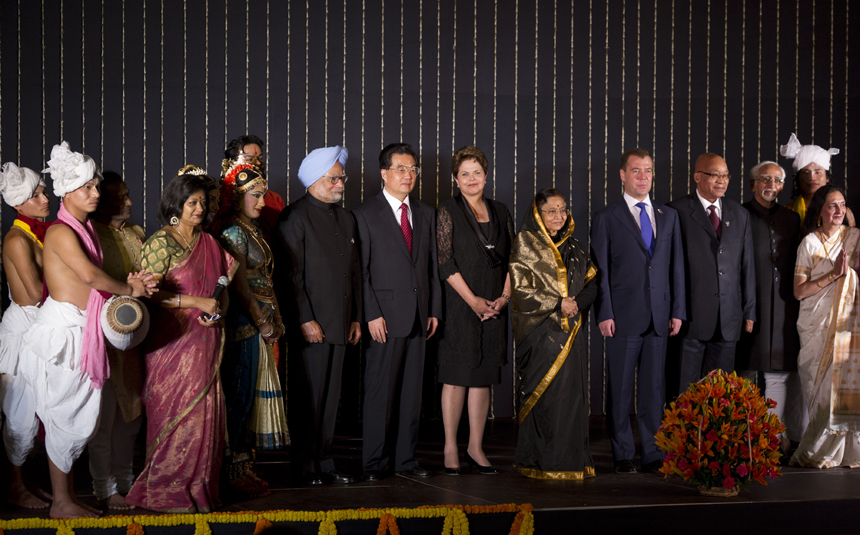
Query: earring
x=820 y=221
x=174 y=221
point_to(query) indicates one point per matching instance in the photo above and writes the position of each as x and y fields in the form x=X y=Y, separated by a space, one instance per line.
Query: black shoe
x=313 y=478
x=338 y=478
x=651 y=468
x=483 y=470
x=417 y=472
x=453 y=471
x=374 y=475
x=625 y=467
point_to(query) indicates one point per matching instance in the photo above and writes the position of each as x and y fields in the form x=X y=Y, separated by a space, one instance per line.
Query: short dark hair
x=795 y=188
x=235 y=146
x=391 y=150
x=544 y=195
x=110 y=179
x=813 y=211
x=176 y=193
x=641 y=153
x=469 y=152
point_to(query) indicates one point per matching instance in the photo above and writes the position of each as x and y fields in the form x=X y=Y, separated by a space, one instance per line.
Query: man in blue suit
x=637 y=248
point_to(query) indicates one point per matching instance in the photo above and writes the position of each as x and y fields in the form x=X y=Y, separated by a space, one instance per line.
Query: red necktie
x=404 y=226
x=715 y=220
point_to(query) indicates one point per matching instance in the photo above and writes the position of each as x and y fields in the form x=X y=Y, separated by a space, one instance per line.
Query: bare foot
x=21 y=497
x=256 y=478
x=71 y=509
x=42 y=494
x=93 y=510
x=115 y=501
x=247 y=485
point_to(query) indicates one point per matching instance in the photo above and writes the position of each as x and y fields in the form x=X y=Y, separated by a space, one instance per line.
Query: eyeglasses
x=767 y=179
x=553 y=213
x=716 y=175
x=402 y=170
x=335 y=178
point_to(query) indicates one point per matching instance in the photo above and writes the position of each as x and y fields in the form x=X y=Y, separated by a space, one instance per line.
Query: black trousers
x=315 y=379
x=393 y=377
x=699 y=357
x=623 y=355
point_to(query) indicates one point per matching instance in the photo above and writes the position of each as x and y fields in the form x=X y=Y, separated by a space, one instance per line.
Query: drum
x=125 y=322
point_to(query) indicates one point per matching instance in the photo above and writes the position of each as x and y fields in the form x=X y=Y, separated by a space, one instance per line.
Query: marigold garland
x=456 y=521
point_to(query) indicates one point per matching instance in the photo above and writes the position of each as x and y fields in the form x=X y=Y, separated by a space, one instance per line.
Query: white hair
x=754 y=171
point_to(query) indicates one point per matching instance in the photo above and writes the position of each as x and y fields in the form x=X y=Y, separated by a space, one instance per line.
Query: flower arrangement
x=719 y=435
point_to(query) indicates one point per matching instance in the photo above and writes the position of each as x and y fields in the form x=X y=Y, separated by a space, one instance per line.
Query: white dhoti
x=18 y=402
x=66 y=402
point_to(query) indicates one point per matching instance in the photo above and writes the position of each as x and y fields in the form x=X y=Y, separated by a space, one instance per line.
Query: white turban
x=319 y=161
x=17 y=184
x=804 y=155
x=70 y=170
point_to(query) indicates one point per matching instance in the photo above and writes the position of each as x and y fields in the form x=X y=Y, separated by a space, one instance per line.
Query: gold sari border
x=557 y=475
x=187 y=410
x=550 y=375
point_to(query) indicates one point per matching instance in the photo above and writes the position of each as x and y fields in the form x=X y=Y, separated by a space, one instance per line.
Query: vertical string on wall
x=325 y=103
x=438 y=73
x=605 y=144
x=830 y=115
x=812 y=77
x=454 y=92
x=268 y=43
x=206 y=87
x=184 y=82
x=226 y=79
x=570 y=147
x=638 y=63
x=535 y=125
x=62 y=77
x=44 y=141
x=689 y=88
x=122 y=167
x=143 y=64
x=18 y=157
x=289 y=144
x=248 y=61
x=83 y=80
x=725 y=86
x=420 y=88
x=102 y=95
x=776 y=85
x=654 y=97
x=758 y=102
x=707 y=81
x=401 y=73
x=847 y=76
x=161 y=93
x=554 y=85
x=797 y=67
x=307 y=67
x=671 y=109
x=496 y=86
x=516 y=106
x=382 y=76
x=623 y=74
x=363 y=36
x=474 y=75
x=343 y=91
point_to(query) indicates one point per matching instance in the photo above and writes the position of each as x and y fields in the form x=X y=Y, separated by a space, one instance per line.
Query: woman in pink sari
x=182 y=390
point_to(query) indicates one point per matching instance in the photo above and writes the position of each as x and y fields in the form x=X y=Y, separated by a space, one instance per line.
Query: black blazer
x=397 y=285
x=720 y=273
x=321 y=259
x=633 y=287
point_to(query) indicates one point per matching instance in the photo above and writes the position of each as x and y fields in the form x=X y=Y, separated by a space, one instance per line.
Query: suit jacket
x=322 y=261
x=720 y=272
x=398 y=285
x=634 y=288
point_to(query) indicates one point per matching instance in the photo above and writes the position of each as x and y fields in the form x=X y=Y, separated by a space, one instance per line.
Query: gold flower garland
x=456 y=521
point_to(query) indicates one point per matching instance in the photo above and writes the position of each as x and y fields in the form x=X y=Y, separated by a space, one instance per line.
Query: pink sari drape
x=182 y=392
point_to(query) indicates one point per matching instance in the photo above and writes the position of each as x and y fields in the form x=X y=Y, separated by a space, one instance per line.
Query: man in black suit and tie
x=720 y=272
x=402 y=303
x=637 y=248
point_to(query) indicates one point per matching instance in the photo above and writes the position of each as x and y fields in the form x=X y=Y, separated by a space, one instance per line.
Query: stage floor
x=801 y=501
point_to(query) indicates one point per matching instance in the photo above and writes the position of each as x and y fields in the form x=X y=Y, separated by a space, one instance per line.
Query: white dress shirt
x=706 y=203
x=396 y=205
x=631 y=204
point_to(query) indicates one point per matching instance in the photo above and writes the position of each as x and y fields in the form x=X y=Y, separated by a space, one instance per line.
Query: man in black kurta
x=325 y=277
x=773 y=345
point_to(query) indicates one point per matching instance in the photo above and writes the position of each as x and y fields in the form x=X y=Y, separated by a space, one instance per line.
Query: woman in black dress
x=473 y=236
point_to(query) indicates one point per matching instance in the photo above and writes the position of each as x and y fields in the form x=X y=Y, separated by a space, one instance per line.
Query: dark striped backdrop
x=552 y=91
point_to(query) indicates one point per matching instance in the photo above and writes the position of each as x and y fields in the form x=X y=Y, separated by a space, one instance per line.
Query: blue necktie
x=645 y=227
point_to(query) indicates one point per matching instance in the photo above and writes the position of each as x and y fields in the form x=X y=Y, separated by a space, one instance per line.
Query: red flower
x=729 y=482
x=742 y=470
x=727 y=470
x=713 y=436
x=682 y=464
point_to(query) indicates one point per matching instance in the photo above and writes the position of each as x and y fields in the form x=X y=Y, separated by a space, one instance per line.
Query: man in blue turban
x=324 y=287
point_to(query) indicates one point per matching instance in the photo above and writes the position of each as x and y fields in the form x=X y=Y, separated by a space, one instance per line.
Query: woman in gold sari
x=553 y=286
x=826 y=283
x=182 y=390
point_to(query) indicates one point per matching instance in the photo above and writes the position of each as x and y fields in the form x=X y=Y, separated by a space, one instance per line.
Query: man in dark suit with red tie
x=637 y=248
x=402 y=302
x=720 y=272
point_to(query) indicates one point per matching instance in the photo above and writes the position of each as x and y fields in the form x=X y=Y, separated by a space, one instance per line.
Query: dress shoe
x=338 y=478
x=313 y=478
x=374 y=475
x=453 y=471
x=651 y=468
x=483 y=470
x=417 y=472
x=625 y=467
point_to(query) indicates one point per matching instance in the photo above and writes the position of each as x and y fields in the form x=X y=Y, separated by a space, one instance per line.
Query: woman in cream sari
x=826 y=283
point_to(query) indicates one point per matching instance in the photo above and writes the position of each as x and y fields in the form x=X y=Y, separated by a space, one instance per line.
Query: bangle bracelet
x=818 y=283
x=269 y=334
x=507 y=298
x=178 y=300
x=260 y=322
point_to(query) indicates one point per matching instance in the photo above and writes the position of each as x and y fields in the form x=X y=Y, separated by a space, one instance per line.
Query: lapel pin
x=659 y=211
x=727 y=223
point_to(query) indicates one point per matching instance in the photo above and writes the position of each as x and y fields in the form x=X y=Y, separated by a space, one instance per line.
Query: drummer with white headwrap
x=324 y=288
x=23 y=190
x=811 y=171
x=63 y=355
